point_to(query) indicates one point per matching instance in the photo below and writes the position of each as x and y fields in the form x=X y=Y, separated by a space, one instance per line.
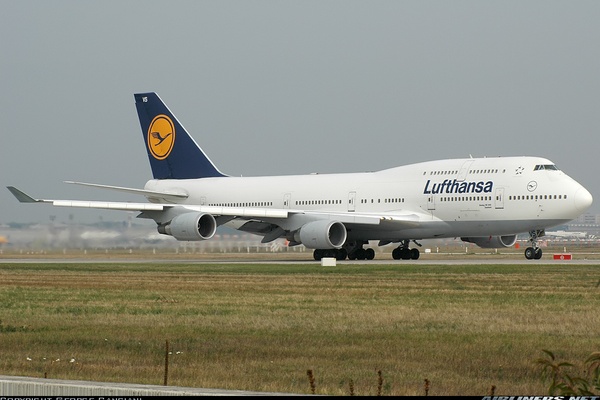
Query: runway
x=446 y=259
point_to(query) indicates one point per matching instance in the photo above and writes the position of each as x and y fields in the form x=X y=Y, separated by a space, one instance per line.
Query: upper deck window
x=545 y=167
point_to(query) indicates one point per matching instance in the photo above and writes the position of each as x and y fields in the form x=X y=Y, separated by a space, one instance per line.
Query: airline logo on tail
x=161 y=137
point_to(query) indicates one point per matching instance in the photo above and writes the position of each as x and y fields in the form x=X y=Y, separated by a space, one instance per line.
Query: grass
x=365 y=329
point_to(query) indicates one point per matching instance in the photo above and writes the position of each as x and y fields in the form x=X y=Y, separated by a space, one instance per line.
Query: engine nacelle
x=190 y=226
x=322 y=235
x=491 y=242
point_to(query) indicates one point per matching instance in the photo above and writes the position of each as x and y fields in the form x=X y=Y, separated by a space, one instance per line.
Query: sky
x=290 y=87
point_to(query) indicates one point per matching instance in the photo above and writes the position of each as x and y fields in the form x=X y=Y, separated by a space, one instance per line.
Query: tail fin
x=173 y=153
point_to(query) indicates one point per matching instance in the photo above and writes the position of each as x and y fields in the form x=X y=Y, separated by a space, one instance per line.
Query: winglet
x=22 y=196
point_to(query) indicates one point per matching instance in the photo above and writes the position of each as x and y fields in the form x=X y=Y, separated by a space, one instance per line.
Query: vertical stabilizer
x=172 y=152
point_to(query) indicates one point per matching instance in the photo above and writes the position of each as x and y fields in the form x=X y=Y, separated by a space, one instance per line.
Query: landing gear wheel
x=533 y=254
x=341 y=254
x=361 y=254
x=318 y=254
x=369 y=254
x=414 y=254
x=405 y=254
x=529 y=253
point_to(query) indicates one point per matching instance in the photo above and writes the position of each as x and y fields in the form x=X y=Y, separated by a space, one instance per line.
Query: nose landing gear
x=533 y=252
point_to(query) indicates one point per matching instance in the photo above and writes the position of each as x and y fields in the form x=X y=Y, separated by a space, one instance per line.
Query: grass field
x=261 y=327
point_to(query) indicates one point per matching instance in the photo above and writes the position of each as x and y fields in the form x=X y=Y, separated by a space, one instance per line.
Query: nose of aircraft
x=583 y=199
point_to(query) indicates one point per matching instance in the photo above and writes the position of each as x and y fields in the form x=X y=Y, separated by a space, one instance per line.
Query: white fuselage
x=444 y=198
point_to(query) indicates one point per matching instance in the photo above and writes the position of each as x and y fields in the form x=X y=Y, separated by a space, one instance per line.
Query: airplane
x=487 y=201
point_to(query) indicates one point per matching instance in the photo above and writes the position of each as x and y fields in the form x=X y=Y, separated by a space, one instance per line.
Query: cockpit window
x=545 y=167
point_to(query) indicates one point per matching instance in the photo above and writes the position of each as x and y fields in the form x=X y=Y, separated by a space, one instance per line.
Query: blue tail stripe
x=172 y=152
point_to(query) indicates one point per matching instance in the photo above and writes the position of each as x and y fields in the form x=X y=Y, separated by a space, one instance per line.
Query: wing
x=124 y=206
x=271 y=223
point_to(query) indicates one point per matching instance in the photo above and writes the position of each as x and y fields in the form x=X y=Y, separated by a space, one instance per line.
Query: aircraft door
x=287 y=198
x=499 y=199
x=431 y=202
x=351 y=201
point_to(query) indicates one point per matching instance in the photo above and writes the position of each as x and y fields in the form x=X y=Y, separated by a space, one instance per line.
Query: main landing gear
x=403 y=252
x=358 y=252
x=338 y=254
x=533 y=252
x=353 y=251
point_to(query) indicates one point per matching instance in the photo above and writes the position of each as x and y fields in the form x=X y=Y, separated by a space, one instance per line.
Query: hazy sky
x=290 y=87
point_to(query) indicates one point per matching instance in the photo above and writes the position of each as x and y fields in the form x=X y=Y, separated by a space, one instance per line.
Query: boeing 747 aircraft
x=486 y=201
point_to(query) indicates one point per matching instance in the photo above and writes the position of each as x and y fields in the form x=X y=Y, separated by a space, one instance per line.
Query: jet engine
x=491 y=242
x=321 y=235
x=190 y=226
